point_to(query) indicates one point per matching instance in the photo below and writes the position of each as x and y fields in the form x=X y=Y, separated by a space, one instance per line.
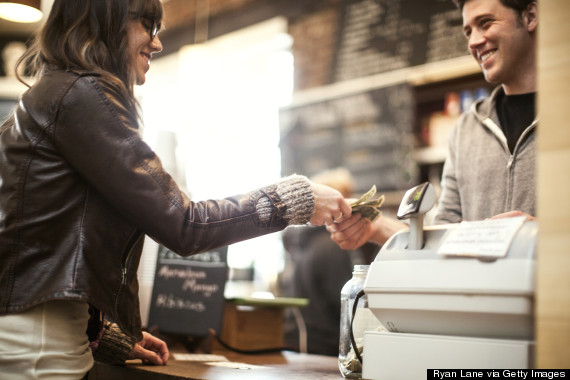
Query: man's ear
x=530 y=16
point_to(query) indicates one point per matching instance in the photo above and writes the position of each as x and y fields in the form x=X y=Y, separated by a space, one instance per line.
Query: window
x=211 y=113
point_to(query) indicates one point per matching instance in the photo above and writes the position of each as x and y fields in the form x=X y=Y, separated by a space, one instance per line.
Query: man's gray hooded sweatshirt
x=481 y=178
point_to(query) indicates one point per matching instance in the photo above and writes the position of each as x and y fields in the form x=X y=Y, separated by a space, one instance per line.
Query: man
x=490 y=168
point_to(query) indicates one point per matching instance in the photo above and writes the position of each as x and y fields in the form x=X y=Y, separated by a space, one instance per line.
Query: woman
x=79 y=189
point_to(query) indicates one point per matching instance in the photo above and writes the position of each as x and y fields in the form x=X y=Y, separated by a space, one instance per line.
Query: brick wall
x=314 y=44
x=179 y=13
x=312 y=24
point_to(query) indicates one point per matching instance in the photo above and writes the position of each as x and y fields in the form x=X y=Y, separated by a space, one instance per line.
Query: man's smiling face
x=499 y=40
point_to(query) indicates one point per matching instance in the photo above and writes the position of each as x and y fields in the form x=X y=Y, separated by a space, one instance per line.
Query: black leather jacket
x=79 y=188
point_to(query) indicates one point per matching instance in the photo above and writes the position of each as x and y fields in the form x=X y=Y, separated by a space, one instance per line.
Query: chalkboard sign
x=369 y=133
x=383 y=35
x=188 y=292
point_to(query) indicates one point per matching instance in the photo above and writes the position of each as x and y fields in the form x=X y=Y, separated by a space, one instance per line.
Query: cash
x=367 y=206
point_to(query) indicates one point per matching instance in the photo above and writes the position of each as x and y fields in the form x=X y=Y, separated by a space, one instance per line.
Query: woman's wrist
x=295 y=201
x=295 y=191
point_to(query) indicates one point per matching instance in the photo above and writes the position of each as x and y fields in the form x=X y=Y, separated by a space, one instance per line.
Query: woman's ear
x=530 y=16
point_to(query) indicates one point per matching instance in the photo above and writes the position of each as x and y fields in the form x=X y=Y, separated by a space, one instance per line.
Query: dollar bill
x=367 y=205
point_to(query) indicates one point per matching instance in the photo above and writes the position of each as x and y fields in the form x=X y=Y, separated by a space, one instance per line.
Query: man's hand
x=150 y=350
x=512 y=214
x=354 y=232
x=351 y=233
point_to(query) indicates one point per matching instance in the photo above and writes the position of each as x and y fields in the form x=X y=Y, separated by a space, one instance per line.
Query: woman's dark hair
x=90 y=35
x=518 y=5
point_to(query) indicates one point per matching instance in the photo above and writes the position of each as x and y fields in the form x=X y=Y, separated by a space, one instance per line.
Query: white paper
x=199 y=357
x=486 y=238
x=235 y=365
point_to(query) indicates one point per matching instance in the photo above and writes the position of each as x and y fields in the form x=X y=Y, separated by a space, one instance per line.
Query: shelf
x=444 y=70
x=416 y=76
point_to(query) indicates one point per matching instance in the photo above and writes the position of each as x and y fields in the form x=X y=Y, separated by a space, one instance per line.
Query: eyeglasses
x=149 y=23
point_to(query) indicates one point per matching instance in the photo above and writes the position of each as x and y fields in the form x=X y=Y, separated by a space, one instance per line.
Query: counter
x=283 y=365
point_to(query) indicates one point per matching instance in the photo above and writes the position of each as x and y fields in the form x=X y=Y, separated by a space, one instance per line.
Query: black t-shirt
x=516 y=112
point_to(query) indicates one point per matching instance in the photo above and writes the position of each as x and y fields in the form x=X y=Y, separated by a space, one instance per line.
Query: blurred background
x=247 y=91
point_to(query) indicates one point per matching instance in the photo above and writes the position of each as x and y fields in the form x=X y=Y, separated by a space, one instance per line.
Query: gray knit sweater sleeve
x=296 y=195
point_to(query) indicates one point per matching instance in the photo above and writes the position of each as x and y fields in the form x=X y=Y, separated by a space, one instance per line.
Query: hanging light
x=26 y=11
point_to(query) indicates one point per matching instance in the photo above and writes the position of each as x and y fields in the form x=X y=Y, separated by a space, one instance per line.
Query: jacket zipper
x=131 y=244
x=129 y=252
x=524 y=134
x=512 y=156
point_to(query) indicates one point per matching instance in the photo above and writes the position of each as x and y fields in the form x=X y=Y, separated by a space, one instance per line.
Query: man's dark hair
x=518 y=5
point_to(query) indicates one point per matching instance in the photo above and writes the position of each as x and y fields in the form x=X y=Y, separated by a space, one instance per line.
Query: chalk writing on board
x=190 y=279
x=384 y=35
x=170 y=301
x=188 y=292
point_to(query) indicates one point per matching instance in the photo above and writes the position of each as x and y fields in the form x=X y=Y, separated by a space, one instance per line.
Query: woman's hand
x=330 y=206
x=150 y=350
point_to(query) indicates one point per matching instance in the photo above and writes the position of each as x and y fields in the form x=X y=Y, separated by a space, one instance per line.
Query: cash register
x=451 y=296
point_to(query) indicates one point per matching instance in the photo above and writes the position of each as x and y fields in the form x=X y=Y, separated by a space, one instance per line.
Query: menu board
x=369 y=133
x=384 y=35
x=188 y=292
